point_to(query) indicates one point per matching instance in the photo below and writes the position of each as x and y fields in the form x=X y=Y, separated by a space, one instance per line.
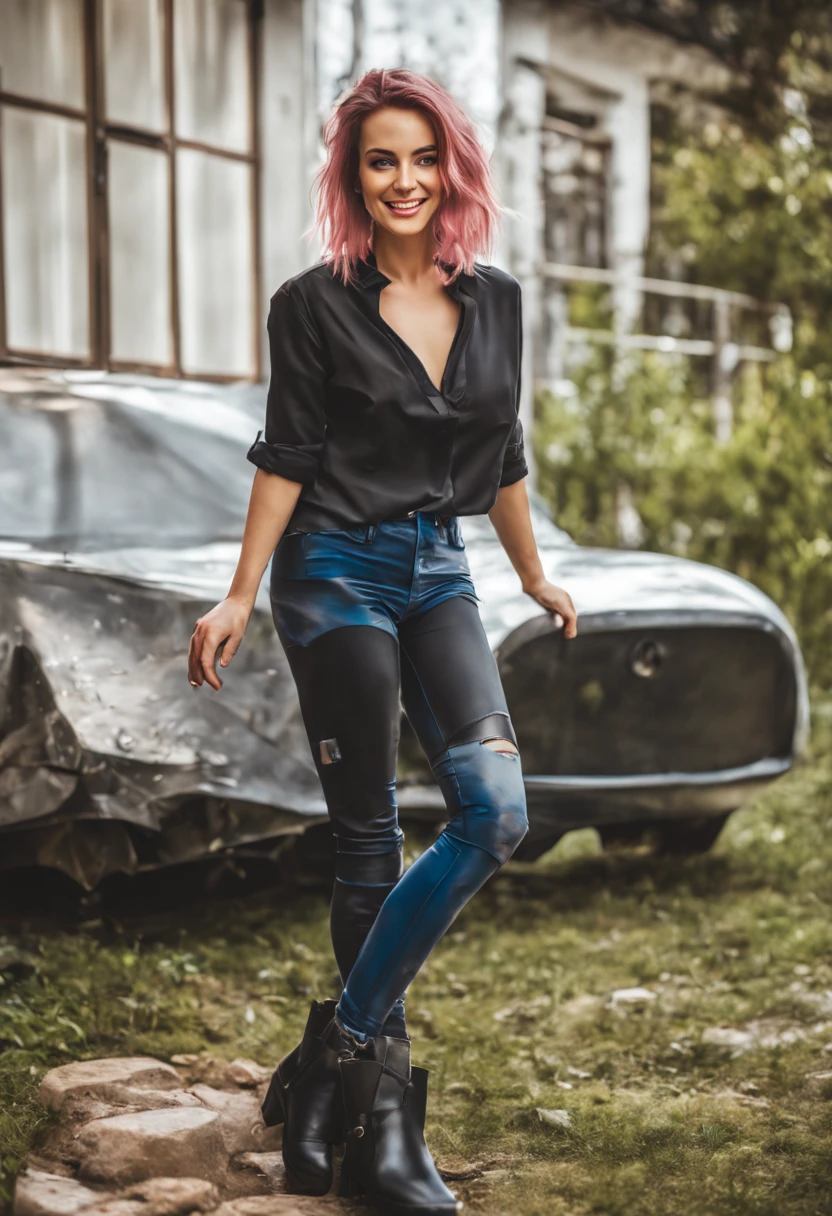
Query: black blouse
x=352 y=414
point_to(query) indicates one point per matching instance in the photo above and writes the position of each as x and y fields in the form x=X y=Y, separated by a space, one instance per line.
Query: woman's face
x=398 y=161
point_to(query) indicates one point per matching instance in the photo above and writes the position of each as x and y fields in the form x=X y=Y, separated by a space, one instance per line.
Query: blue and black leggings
x=367 y=615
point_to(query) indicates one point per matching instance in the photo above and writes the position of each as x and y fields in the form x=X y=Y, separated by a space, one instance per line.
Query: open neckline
x=395 y=333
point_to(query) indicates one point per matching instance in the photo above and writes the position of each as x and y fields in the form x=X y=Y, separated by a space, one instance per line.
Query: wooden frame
x=100 y=132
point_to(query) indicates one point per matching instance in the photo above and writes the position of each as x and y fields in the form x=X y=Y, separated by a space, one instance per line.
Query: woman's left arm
x=512 y=522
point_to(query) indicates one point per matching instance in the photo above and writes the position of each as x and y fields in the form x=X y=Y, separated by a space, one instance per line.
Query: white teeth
x=406 y=206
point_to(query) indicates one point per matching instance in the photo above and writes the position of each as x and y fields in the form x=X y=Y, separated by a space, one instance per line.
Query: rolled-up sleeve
x=295 y=415
x=514 y=461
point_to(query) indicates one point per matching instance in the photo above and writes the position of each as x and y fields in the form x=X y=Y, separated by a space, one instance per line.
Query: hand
x=557 y=601
x=221 y=629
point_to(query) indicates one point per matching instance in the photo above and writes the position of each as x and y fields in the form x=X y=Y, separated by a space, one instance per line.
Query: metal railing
x=726 y=354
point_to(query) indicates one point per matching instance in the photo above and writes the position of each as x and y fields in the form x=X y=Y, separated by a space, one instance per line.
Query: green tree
x=750 y=211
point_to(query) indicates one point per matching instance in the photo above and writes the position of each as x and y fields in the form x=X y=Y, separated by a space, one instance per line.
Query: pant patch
x=330 y=751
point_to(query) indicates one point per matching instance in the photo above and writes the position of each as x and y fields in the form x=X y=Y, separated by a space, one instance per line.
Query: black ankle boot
x=305 y=1096
x=387 y=1163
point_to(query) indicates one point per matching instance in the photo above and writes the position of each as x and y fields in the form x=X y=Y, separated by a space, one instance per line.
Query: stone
x=115 y=1205
x=631 y=996
x=241 y=1122
x=279 y=1205
x=175 y=1196
x=150 y=1099
x=587 y=1005
x=39 y=1193
x=247 y=1073
x=96 y=1079
x=728 y=1038
x=182 y=1143
x=222 y=1074
x=820 y=1082
x=269 y=1165
x=554 y=1118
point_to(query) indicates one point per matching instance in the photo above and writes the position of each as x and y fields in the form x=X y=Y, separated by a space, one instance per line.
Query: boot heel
x=273 y=1108
x=349 y=1187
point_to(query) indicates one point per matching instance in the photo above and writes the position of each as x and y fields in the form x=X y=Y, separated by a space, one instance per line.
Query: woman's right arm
x=271 y=504
x=287 y=457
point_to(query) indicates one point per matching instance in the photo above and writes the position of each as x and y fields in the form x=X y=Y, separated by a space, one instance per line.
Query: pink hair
x=466 y=220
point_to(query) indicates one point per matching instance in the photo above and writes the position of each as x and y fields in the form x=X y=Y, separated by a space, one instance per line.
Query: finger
x=194 y=670
x=230 y=649
x=571 y=618
x=210 y=649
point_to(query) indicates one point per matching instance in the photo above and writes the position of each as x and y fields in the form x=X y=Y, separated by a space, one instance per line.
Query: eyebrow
x=387 y=152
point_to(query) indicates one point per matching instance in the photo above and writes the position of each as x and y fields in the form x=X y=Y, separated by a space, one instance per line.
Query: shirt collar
x=369 y=276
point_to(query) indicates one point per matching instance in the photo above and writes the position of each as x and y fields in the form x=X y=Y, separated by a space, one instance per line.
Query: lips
x=405 y=210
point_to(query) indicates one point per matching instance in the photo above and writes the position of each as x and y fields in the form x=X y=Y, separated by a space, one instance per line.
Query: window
x=128 y=185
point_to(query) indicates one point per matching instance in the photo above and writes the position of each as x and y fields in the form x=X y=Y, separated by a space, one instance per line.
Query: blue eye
x=430 y=157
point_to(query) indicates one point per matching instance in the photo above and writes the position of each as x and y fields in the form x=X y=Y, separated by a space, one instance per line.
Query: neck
x=406 y=260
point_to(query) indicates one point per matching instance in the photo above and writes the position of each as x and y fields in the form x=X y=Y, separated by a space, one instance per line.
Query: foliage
x=748 y=214
x=750 y=39
x=512 y=1015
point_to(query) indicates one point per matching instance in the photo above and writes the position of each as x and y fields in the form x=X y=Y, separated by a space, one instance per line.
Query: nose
x=407 y=177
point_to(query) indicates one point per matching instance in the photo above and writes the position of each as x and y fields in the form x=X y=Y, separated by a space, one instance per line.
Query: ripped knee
x=482 y=782
x=503 y=747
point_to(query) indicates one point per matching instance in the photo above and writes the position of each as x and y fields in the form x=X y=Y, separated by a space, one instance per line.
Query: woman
x=392 y=410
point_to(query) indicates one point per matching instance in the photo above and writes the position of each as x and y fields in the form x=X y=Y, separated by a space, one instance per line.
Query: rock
x=175 y=1196
x=205 y=1069
x=115 y=1205
x=728 y=1038
x=151 y=1099
x=586 y=1005
x=554 y=1118
x=817 y=1002
x=247 y=1073
x=38 y=1193
x=454 y=1169
x=182 y=1143
x=733 y=1095
x=820 y=1082
x=630 y=996
x=241 y=1122
x=96 y=1079
x=269 y=1165
x=279 y=1205
x=522 y=1010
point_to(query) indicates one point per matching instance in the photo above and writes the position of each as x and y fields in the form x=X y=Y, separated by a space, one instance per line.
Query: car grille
x=628 y=702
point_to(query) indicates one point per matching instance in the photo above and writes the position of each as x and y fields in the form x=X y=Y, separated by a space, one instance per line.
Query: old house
x=156 y=159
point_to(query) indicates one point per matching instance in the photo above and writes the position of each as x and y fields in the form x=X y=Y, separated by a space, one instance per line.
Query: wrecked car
x=122 y=502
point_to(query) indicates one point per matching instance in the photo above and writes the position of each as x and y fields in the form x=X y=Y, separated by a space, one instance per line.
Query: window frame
x=99 y=131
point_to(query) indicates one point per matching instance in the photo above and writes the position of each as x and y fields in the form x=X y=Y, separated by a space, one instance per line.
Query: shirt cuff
x=286 y=460
x=514 y=467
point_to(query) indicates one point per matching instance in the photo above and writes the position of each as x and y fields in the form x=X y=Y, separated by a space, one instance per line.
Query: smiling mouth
x=409 y=208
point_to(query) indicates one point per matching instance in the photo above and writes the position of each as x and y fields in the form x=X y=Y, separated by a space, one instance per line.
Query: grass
x=512 y=1015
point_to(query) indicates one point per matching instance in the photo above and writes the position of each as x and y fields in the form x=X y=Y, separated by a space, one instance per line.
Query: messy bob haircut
x=465 y=223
